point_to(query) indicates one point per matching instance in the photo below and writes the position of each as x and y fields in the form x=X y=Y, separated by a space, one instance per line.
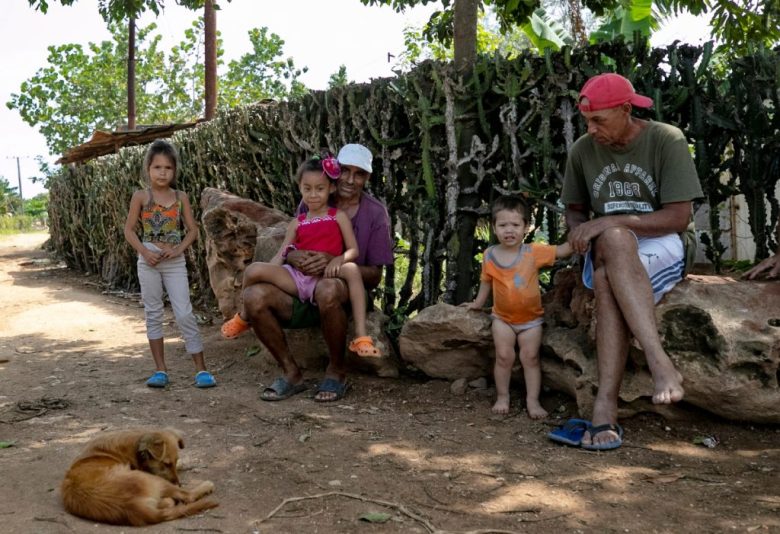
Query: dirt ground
x=73 y=361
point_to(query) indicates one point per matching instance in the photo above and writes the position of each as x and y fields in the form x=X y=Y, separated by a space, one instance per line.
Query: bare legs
x=265 y=305
x=350 y=273
x=331 y=294
x=625 y=307
x=261 y=272
x=529 y=340
x=157 y=347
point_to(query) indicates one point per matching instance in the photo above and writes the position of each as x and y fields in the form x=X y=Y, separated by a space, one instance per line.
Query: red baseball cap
x=610 y=90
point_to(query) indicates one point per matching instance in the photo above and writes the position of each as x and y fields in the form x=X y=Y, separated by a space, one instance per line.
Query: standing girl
x=321 y=228
x=161 y=209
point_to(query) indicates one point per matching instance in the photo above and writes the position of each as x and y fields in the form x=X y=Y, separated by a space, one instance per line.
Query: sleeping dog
x=129 y=478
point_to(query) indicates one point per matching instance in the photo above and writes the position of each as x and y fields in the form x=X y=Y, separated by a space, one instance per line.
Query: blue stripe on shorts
x=666 y=250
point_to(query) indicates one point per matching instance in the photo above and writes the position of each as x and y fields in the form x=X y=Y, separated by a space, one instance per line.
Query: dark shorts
x=306 y=314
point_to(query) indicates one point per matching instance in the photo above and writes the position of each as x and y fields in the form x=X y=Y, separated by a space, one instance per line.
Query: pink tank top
x=321 y=234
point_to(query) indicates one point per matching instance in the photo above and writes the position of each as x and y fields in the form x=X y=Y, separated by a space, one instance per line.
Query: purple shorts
x=304 y=283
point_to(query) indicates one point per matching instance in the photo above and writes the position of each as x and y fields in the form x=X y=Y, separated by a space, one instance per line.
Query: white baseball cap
x=357 y=155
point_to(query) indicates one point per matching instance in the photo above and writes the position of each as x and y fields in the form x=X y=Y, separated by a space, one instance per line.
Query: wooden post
x=131 y=74
x=210 y=37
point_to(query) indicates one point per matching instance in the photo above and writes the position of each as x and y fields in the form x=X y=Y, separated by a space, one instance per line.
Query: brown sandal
x=364 y=346
x=234 y=327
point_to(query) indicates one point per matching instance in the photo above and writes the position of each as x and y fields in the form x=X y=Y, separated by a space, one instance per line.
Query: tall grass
x=15 y=224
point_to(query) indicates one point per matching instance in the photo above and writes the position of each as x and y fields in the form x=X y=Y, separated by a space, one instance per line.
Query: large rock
x=445 y=341
x=233 y=226
x=239 y=231
x=308 y=348
x=722 y=334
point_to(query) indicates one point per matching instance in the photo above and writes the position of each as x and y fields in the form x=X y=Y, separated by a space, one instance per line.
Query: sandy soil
x=73 y=361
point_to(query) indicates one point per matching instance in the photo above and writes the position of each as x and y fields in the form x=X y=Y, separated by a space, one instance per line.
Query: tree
x=10 y=202
x=338 y=78
x=490 y=40
x=115 y=11
x=79 y=90
x=738 y=24
x=261 y=73
x=37 y=206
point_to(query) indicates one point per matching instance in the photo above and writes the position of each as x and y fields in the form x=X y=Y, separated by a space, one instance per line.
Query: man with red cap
x=637 y=179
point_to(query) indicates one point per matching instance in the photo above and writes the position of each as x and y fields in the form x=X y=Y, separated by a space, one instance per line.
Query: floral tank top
x=162 y=224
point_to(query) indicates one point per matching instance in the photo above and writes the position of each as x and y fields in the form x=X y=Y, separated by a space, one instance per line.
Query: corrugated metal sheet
x=102 y=143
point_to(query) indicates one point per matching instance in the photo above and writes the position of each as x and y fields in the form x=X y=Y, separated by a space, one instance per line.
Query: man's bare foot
x=502 y=404
x=604 y=412
x=535 y=410
x=668 y=388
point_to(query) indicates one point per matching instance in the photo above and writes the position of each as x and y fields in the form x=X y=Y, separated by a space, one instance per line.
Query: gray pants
x=171 y=274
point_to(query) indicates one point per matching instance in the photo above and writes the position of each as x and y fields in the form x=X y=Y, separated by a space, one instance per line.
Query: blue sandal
x=331 y=385
x=158 y=380
x=281 y=389
x=609 y=445
x=571 y=432
x=204 y=379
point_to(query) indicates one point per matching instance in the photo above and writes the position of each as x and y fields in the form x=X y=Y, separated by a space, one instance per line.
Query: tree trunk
x=460 y=272
x=465 y=33
x=578 y=30
x=131 y=74
x=210 y=30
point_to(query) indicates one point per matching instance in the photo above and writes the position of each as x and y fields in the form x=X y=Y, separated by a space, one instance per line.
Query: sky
x=365 y=37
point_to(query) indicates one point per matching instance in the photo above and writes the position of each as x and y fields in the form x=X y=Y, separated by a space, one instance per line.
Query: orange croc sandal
x=234 y=327
x=364 y=346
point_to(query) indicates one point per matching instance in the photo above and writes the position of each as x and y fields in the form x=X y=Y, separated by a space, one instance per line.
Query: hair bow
x=331 y=167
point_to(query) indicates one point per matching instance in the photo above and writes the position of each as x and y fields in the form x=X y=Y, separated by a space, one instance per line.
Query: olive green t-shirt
x=654 y=169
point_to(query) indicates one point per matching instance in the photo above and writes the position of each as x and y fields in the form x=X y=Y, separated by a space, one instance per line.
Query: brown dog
x=129 y=478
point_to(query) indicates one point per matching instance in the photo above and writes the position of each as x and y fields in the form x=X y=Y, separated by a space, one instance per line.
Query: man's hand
x=309 y=262
x=771 y=264
x=581 y=236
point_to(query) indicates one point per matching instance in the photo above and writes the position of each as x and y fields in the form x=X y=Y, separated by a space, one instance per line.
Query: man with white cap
x=269 y=309
x=638 y=180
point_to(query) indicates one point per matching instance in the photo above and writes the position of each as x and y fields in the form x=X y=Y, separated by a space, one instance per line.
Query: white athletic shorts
x=663 y=258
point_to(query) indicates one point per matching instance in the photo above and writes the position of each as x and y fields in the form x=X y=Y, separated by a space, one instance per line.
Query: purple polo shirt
x=371 y=224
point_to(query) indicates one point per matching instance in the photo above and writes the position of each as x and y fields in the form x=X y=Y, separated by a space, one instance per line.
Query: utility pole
x=19 y=177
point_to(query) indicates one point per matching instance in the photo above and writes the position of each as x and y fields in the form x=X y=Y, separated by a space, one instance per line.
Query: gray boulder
x=722 y=334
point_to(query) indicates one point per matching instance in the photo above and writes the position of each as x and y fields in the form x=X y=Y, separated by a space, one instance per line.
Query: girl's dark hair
x=164 y=148
x=311 y=164
x=510 y=203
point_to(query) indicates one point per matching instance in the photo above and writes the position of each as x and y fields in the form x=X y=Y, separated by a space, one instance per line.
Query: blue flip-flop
x=204 y=379
x=281 y=389
x=571 y=432
x=158 y=380
x=331 y=385
x=608 y=446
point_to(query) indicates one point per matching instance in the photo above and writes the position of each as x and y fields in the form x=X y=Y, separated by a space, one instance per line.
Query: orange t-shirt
x=517 y=298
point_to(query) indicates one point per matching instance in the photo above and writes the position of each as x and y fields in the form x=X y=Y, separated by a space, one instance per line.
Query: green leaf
x=375 y=517
x=543 y=32
x=253 y=350
x=6 y=444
